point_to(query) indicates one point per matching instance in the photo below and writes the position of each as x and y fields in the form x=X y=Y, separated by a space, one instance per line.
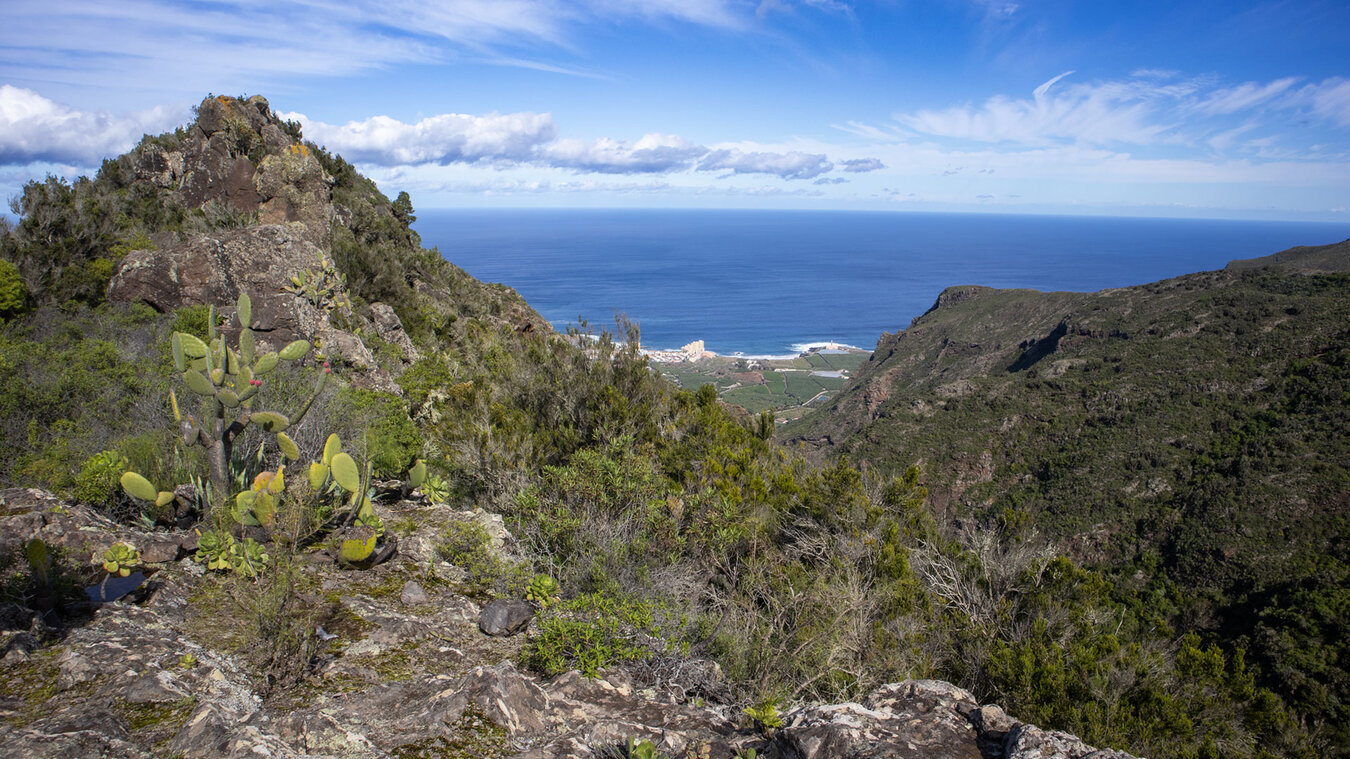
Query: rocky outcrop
x=404 y=670
x=236 y=156
x=214 y=269
x=390 y=329
x=236 y=159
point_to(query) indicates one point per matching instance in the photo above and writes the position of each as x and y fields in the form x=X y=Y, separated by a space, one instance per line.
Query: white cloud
x=444 y=138
x=33 y=128
x=1243 y=96
x=790 y=165
x=531 y=138
x=1331 y=99
x=859 y=165
x=1097 y=114
x=653 y=153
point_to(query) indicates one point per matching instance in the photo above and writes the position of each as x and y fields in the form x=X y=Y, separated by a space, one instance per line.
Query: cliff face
x=405 y=670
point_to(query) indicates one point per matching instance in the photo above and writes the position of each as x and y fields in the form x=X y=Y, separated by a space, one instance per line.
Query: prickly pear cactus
x=258 y=505
x=325 y=289
x=229 y=379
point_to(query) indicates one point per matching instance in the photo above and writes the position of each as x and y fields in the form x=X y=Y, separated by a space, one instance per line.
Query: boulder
x=390 y=329
x=214 y=269
x=1031 y=742
x=505 y=617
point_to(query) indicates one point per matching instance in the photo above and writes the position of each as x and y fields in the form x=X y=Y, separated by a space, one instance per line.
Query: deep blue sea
x=771 y=282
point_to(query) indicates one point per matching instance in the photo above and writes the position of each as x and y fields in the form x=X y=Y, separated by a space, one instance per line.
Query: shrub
x=277 y=627
x=13 y=293
x=391 y=440
x=467 y=545
x=589 y=634
x=97 y=482
x=194 y=320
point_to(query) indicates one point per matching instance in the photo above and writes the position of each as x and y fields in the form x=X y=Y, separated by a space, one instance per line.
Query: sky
x=1190 y=109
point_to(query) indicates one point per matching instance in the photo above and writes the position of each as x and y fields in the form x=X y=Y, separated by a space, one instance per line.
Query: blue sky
x=1206 y=109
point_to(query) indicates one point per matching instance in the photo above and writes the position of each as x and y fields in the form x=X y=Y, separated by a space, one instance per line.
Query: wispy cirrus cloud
x=234 y=44
x=1111 y=112
x=1330 y=99
x=1152 y=108
x=1244 y=96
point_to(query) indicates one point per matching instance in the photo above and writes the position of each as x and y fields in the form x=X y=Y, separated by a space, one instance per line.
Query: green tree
x=403 y=209
x=13 y=293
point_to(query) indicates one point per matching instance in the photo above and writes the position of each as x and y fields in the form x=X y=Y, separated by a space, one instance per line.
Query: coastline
x=696 y=351
x=786 y=385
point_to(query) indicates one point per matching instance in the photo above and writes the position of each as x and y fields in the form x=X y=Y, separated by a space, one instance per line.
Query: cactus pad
x=193 y=347
x=346 y=473
x=138 y=487
x=198 y=383
x=318 y=475
x=271 y=421
x=288 y=447
x=295 y=350
x=331 y=448
x=266 y=363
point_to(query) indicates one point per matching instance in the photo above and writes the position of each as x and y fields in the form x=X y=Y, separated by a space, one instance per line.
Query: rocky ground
x=406 y=670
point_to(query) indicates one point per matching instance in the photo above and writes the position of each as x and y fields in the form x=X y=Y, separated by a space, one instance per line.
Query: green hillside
x=1190 y=437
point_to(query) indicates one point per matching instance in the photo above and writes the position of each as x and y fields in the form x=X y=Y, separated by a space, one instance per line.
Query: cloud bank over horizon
x=35 y=129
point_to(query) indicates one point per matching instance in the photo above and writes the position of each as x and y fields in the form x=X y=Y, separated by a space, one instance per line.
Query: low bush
x=97 y=483
x=466 y=544
x=592 y=632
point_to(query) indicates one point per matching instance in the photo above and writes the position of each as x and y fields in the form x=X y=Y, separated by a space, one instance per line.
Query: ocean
x=775 y=282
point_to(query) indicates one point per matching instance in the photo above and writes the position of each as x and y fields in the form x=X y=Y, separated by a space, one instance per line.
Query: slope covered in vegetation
x=1186 y=438
x=676 y=531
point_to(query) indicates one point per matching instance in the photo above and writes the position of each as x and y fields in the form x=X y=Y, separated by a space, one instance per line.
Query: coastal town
x=788 y=385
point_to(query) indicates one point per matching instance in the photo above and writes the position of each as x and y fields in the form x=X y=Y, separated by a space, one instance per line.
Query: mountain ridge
x=1185 y=436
